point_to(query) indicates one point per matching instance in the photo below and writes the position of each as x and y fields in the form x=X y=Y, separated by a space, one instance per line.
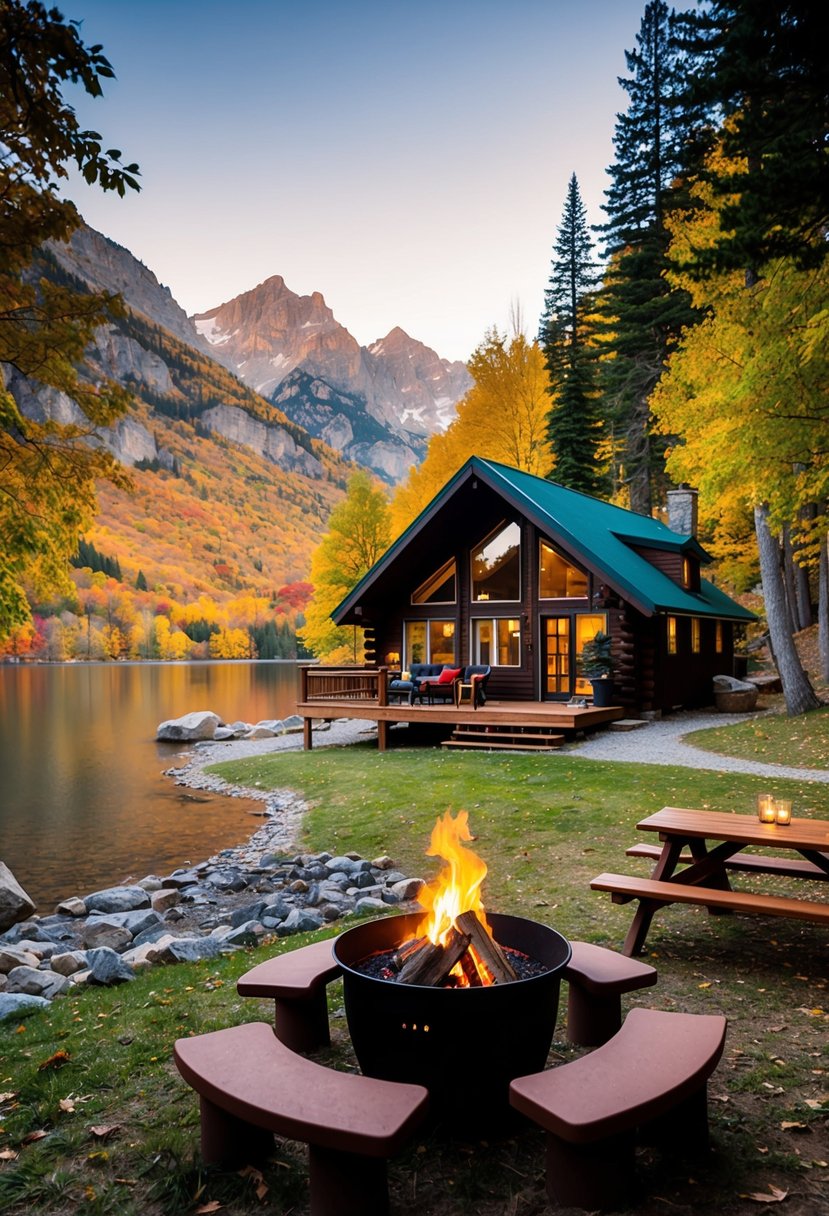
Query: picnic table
x=701 y=848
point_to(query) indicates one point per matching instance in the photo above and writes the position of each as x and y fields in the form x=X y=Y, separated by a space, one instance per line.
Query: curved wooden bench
x=250 y=1085
x=596 y=979
x=296 y=981
x=657 y=1065
x=743 y=863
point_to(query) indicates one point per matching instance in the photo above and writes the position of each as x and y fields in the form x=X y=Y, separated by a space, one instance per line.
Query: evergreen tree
x=140 y=581
x=564 y=334
x=641 y=312
x=763 y=68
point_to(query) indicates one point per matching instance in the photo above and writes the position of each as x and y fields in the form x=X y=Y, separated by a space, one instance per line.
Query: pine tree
x=763 y=67
x=564 y=334
x=642 y=313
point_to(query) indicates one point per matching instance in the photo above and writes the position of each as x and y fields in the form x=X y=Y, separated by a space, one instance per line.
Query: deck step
x=504 y=738
x=491 y=745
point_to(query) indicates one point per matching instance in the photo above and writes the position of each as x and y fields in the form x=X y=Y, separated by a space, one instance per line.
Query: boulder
x=19 y=1005
x=15 y=904
x=134 y=922
x=68 y=963
x=101 y=932
x=71 y=907
x=201 y=724
x=107 y=968
x=733 y=696
x=188 y=950
x=164 y=898
x=407 y=888
x=13 y=956
x=32 y=982
x=117 y=899
x=260 y=732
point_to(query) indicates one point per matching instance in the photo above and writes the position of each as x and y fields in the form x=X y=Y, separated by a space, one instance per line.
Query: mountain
x=378 y=405
x=230 y=494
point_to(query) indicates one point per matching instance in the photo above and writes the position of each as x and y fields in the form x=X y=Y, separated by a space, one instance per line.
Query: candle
x=766 y=809
x=783 y=811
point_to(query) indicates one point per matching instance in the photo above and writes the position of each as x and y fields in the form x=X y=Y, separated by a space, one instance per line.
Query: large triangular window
x=557 y=579
x=496 y=565
x=439 y=588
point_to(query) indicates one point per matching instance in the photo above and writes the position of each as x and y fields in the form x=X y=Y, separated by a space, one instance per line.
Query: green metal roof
x=602 y=536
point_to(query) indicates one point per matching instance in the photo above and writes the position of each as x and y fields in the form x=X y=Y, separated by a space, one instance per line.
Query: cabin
x=511 y=570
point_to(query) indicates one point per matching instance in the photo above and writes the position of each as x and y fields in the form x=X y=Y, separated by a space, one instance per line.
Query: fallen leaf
x=773 y=1195
x=213 y=1206
x=55 y=1061
x=67 y=1105
x=103 y=1131
x=789 y=1127
x=32 y=1136
x=815 y=1103
x=707 y=984
x=257 y=1177
x=8 y=1154
x=7 y=1097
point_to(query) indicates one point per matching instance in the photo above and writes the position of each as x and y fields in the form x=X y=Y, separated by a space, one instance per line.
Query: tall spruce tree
x=573 y=425
x=762 y=68
x=643 y=314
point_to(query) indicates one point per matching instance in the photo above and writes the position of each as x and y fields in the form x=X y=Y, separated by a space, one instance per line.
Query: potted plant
x=596 y=665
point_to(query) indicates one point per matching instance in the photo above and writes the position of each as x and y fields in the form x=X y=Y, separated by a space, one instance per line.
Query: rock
x=184 y=878
x=134 y=922
x=19 y=1005
x=246 y=913
x=164 y=898
x=15 y=904
x=68 y=963
x=32 y=982
x=201 y=724
x=151 y=883
x=227 y=880
x=154 y=934
x=13 y=956
x=407 y=888
x=300 y=920
x=187 y=950
x=99 y=933
x=382 y=863
x=330 y=912
x=292 y=724
x=260 y=732
x=275 y=725
x=117 y=899
x=248 y=934
x=369 y=904
x=730 y=684
x=223 y=733
x=71 y=907
x=107 y=968
x=346 y=865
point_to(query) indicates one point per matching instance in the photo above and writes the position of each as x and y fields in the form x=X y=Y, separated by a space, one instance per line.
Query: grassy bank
x=120 y=1130
x=801 y=742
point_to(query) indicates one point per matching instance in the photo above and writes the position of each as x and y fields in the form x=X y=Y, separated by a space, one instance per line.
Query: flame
x=457 y=887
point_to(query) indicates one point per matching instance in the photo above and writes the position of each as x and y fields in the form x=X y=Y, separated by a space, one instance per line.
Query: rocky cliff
x=292 y=349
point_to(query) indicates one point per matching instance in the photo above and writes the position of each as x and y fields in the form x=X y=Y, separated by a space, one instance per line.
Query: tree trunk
x=799 y=694
x=823 y=609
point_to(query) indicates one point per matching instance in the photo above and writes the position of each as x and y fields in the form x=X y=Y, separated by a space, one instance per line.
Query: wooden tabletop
x=718 y=825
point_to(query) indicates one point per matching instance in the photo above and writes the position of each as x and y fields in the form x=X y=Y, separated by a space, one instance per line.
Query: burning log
x=430 y=965
x=486 y=948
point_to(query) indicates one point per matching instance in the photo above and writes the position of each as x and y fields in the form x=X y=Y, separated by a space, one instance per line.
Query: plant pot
x=602 y=693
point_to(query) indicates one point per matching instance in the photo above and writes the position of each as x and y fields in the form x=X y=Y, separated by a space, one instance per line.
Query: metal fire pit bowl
x=464 y=1044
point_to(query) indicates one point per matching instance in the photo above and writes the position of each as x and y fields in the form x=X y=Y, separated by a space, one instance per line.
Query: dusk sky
x=407 y=158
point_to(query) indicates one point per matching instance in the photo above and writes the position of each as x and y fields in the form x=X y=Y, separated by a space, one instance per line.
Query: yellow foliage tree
x=358 y=534
x=230 y=644
x=503 y=417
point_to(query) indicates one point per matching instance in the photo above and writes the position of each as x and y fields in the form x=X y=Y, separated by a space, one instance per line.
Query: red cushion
x=448 y=675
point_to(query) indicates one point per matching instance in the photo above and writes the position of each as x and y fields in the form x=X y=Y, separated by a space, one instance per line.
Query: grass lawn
x=801 y=742
x=96 y=1120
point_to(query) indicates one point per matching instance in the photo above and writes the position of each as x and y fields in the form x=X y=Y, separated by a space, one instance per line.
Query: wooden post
x=307 y=740
x=303 y=684
x=382 y=735
x=382 y=686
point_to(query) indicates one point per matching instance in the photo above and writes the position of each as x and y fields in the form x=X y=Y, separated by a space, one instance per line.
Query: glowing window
x=497 y=642
x=557 y=579
x=496 y=565
x=695 y=635
x=429 y=642
x=671 y=635
x=718 y=645
x=440 y=588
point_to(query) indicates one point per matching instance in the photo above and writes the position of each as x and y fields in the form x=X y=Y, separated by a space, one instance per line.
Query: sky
x=408 y=159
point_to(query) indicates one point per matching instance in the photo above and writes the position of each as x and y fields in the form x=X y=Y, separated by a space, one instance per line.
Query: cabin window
x=496 y=565
x=429 y=642
x=439 y=588
x=671 y=635
x=686 y=572
x=557 y=579
x=695 y=635
x=497 y=641
x=718 y=645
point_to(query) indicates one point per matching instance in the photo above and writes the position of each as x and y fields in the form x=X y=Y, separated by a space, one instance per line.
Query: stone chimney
x=682 y=511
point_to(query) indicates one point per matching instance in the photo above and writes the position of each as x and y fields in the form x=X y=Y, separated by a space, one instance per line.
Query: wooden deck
x=549 y=715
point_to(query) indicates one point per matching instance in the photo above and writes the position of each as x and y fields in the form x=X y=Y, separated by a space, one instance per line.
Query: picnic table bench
x=704 y=877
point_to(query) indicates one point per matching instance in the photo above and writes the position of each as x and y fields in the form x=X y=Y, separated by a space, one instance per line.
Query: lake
x=83 y=800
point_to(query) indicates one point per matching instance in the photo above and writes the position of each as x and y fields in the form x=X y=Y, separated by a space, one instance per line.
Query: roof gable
x=597 y=533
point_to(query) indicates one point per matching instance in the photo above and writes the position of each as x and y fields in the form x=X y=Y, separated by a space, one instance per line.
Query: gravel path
x=661 y=743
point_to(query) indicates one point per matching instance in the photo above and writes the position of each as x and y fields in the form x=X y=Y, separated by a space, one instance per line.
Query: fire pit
x=466 y=1041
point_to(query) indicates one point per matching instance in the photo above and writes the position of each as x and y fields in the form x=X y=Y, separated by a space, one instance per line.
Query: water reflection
x=83 y=802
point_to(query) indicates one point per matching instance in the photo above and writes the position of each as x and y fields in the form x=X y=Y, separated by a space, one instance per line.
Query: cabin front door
x=557 y=656
x=563 y=639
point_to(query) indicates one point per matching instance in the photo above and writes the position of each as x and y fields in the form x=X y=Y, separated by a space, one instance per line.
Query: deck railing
x=343 y=684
